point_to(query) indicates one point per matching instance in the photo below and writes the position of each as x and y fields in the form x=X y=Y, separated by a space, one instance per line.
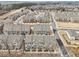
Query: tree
x=0 y=7
x=23 y=44
x=7 y=46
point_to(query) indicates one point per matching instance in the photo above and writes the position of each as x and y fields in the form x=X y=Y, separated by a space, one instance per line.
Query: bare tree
x=7 y=46
x=22 y=44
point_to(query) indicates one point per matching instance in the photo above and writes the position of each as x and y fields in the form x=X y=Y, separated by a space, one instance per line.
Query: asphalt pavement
x=61 y=45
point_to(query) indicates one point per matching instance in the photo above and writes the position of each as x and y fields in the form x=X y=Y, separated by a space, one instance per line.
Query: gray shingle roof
x=41 y=27
x=16 y=27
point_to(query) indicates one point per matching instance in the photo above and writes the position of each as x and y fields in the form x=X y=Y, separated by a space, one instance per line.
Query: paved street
x=63 y=49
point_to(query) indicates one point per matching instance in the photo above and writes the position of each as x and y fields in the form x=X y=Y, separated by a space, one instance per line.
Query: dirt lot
x=72 y=49
x=67 y=41
x=67 y=25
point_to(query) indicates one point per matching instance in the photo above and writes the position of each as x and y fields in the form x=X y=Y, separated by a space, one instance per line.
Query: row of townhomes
x=30 y=32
